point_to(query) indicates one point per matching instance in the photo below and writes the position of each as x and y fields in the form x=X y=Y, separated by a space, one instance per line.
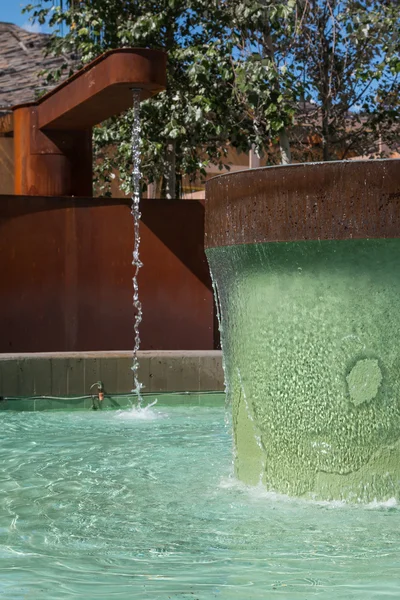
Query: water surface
x=109 y=505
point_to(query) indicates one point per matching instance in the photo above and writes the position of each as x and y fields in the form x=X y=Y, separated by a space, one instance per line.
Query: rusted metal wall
x=53 y=137
x=330 y=201
x=66 y=275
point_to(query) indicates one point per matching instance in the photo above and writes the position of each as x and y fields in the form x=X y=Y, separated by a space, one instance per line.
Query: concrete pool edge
x=71 y=374
x=112 y=402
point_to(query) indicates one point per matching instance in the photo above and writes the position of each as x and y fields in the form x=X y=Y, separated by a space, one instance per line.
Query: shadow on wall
x=65 y=267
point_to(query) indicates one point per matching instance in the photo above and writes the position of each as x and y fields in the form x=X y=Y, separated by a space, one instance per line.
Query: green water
x=310 y=333
x=107 y=505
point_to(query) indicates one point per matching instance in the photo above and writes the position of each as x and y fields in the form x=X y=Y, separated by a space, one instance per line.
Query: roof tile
x=21 y=59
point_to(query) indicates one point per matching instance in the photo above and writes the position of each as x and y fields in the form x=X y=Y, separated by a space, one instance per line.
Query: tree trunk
x=325 y=87
x=325 y=135
x=254 y=159
x=284 y=145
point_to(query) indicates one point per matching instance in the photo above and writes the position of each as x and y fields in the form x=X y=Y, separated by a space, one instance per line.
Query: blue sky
x=10 y=12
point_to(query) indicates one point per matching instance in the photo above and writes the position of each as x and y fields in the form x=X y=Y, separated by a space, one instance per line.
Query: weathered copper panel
x=342 y=200
x=103 y=89
x=22 y=147
x=66 y=275
x=52 y=137
x=50 y=164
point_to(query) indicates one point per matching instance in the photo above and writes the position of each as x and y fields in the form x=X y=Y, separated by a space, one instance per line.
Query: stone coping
x=111 y=354
x=73 y=373
x=163 y=399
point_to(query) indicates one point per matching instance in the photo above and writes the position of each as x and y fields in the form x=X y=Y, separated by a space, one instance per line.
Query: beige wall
x=6 y=165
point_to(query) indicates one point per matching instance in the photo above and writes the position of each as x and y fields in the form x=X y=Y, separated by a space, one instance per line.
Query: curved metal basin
x=306 y=264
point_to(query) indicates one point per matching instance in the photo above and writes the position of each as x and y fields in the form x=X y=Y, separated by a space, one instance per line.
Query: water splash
x=136 y=262
x=217 y=300
x=141 y=413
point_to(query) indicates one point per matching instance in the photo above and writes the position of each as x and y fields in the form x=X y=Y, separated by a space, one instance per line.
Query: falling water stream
x=136 y=262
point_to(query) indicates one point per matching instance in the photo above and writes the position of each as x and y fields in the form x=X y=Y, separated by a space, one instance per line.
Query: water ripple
x=104 y=505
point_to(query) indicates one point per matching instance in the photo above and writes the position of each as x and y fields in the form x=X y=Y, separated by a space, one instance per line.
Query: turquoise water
x=127 y=505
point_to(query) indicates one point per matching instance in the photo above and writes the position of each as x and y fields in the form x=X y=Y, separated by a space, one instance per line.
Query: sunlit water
x=142 y=505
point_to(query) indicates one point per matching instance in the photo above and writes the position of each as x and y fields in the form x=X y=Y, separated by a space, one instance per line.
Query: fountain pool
x=145 y=503
x=116 y=504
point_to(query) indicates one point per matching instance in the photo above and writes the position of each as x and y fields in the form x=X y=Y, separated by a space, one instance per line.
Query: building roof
x=21 y=59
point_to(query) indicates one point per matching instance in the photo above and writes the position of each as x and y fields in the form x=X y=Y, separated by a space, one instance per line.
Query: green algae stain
x=364 y=381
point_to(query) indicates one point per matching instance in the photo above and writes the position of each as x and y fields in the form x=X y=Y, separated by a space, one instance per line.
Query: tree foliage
x=347 y=54
x=197 y=113
x=332 y=75
x=256 y=73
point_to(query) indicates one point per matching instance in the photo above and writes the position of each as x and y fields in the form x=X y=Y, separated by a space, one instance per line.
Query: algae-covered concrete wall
x=310 y=335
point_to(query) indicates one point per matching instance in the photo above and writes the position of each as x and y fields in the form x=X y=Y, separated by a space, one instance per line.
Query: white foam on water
x=376 y=504
x=141 y=413
x=254 y=492
x=259 y=492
